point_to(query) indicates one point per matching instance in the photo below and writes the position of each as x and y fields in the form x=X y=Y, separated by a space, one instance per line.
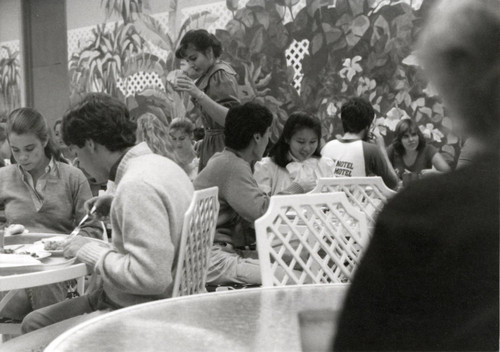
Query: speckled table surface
x=259 y=319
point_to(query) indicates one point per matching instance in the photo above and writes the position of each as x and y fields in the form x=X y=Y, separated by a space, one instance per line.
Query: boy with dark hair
x=152 y=194
x=352 y=154
x=233 y=258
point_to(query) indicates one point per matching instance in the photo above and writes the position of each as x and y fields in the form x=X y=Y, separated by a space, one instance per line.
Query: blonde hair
x=460 y=50
x=154 y=132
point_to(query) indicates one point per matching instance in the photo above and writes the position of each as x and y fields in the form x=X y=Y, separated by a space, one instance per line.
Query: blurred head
x=98 y=121
x=460 y=51
x=154 y=132
x=58 y=134
x=246 y=124
x=30 y=139
x=200 y=49
x=181 y=134
x=356 y=114
x=300 y=137
x=408 y=137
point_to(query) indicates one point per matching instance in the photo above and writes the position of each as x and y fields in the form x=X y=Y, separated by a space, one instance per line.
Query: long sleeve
x=243 y=194
x=263 y=174
x=81 y=193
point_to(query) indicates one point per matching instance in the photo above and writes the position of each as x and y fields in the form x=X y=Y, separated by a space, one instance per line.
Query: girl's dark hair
x=201 y=40
x=28 y=120
x=404 y=126
x=297 y=121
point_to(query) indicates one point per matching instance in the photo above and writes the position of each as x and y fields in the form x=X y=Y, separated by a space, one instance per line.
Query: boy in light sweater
x=152 y=194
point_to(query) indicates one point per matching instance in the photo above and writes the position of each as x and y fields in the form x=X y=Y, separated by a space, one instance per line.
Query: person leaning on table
x=40 y=192
x=152 y=194
x=430 y=277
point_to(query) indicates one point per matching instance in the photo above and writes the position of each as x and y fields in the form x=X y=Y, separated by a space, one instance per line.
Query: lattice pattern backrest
x=197 y=237
x=369 y=194
x=310 y=238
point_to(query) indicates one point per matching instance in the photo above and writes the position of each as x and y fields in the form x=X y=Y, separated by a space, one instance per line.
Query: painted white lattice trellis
x=138 y=82
x=294 y=55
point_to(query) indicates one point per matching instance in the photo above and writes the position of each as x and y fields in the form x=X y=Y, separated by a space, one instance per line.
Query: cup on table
x=317 y=330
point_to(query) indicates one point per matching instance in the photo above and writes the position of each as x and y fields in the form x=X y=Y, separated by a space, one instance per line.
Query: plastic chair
x=310 y=238
x=368 y=194
x=196 y=242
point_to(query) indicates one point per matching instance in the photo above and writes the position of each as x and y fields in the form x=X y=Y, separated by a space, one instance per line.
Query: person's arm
x=263 y=174
x=244 y=195
x=145 y=266
x=81 y=193
x=377 y=162
x=437 y=161
x=222 y=89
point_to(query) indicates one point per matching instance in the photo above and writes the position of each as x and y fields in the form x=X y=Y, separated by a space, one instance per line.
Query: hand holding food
x=172 y=77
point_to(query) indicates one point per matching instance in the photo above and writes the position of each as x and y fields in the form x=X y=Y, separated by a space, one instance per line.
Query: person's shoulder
x=8 y=170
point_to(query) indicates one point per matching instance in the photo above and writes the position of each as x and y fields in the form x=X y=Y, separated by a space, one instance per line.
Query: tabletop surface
x=259 y=319
x=53 y=269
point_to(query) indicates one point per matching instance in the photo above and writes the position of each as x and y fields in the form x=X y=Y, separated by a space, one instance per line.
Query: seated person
x=67 y=154
x=429 y=280
x=154 y=132
x=152 y=194
x=41 y=192
x=181 y=136
x=352 y=153
x=246 y=132
x=294 y=163
x=409 y=153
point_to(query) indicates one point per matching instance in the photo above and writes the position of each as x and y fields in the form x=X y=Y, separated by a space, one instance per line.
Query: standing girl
x=214 y=91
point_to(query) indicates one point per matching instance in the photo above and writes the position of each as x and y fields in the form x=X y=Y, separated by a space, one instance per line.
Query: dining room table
x=49 y=270
x=285 y=318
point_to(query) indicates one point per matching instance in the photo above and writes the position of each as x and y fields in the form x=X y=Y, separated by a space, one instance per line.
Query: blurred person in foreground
x=429 y=279
x=146 y=213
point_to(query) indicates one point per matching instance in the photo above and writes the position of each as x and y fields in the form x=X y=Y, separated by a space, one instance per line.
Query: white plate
x=27 y=250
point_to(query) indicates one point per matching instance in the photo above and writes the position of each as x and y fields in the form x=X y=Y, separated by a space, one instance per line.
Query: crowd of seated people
x=157 y=166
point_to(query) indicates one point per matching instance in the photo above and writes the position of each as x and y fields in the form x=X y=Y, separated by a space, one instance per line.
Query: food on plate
x=53 y=245
x=6 y=251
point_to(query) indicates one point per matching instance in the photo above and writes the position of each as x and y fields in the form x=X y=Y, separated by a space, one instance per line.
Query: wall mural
x=10 y=90
x=353 y=47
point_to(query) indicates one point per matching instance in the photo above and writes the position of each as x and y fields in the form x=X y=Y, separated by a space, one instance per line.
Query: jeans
x=30 y=299
x=95 y=301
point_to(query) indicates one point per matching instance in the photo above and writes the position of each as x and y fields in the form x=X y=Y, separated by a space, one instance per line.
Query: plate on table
x=53 y=245
x=50 y=263
x=23 y=254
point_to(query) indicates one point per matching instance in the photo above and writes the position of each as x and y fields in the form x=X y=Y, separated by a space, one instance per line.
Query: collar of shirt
x=50 y=169
x=114 y=168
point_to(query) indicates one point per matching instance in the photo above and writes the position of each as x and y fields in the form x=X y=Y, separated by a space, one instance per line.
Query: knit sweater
x=55 y=207
x=241 y=200
x=147 y=213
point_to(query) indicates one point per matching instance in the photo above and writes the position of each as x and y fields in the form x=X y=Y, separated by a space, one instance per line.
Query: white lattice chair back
x=197 y=237
x=369 y=194
x=310 y=238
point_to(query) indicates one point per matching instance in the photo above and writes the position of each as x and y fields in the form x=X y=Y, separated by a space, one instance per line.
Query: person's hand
x=102 y=204
x=378 y=138
x=14 y=229
x=186 y=84
x=72 y=246
x=307 y=184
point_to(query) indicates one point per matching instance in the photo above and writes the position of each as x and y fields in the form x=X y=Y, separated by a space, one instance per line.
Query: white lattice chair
x=310 y=238
x=368 y=194
x=197 y=237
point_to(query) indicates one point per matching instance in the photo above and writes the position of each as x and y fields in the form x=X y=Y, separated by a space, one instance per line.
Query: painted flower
x=351 y=67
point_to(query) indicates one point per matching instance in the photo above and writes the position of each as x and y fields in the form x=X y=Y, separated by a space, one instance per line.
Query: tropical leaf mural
x=356 y=48
x=9 y=82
